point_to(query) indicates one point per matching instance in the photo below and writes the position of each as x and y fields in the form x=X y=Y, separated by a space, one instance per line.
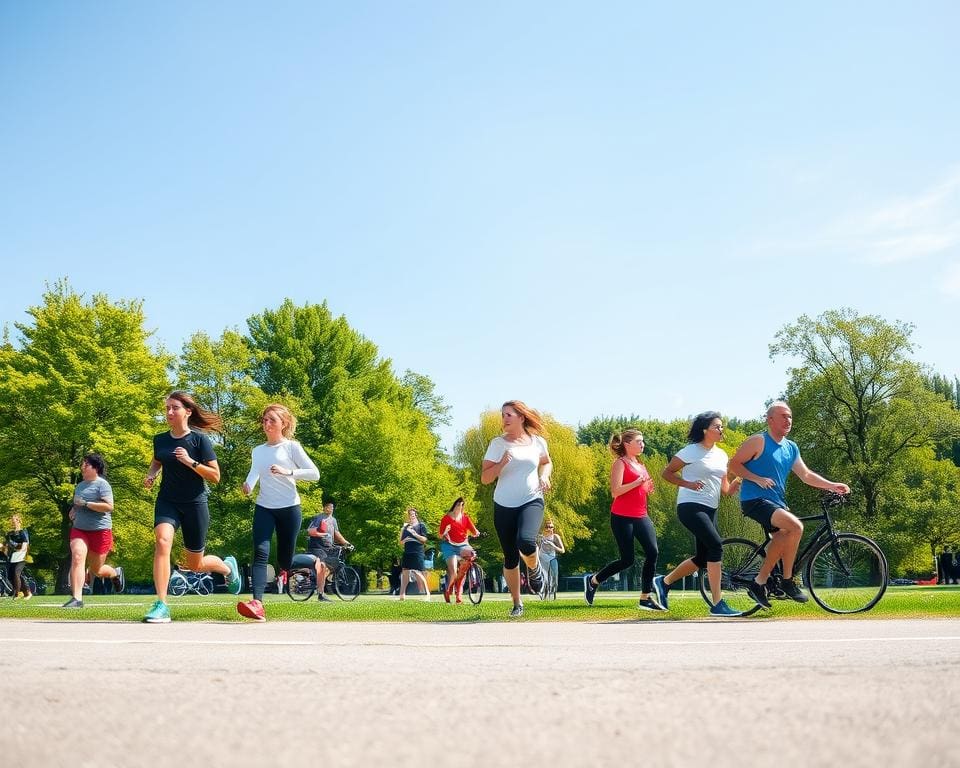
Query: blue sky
x=599 y=209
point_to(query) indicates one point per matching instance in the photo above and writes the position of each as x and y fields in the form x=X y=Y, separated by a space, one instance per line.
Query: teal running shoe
x=234 y=582
x=158 y=614
x=722 y=610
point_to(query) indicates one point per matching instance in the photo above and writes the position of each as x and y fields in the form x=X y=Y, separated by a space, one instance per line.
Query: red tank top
x=633 y=503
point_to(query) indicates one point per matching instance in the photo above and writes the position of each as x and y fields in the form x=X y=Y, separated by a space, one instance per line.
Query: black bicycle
x=302 y=579
x=844 y=572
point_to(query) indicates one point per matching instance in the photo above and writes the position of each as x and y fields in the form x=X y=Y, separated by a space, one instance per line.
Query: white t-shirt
x=519 y=480
x=278 y=491
x=706 y=466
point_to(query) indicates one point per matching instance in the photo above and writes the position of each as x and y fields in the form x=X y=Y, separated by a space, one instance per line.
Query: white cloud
x=906 y=229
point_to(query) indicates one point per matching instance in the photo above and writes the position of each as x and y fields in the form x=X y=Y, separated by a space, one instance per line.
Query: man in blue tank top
x=764 y=462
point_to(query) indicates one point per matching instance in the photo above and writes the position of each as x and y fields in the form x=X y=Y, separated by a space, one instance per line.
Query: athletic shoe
x=234 y=582
x=28 y=595
x=588 y=589
x=537 y=581
x=646 y=604
x=789 y=586
x=119 y=581
x=73 y=603
x=252 y=609
x=517 y=611
x=158 y=614
x=322 y=598
x=721 y=609
x=662 y=590
x=758 y=592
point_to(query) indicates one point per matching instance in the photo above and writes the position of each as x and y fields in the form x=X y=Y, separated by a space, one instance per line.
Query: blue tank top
x=776 y=461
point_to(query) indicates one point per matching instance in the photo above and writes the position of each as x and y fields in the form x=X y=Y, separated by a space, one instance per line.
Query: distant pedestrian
x=413 y=535
x=18 y=546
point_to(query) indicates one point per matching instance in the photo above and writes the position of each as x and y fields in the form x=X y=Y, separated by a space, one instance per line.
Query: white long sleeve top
x=278 y=491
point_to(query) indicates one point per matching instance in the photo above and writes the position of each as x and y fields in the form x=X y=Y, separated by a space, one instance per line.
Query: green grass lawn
x=898 y=602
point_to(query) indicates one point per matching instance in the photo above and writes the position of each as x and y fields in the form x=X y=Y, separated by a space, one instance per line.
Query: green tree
x=859 y=401
x=928 y=505
x=662 y=437
x=424 y=397
x=381 y=460
x=82 y=378
x=320 y=360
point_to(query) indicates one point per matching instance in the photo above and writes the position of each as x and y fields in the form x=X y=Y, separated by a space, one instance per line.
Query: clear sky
x=598 y=208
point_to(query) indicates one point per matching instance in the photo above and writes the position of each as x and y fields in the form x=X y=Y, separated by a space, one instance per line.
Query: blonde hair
x=532 y=422
x=288 y=420
x=617 y=439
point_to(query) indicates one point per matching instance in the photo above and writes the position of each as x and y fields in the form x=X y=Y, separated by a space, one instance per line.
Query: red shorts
x=98 y=542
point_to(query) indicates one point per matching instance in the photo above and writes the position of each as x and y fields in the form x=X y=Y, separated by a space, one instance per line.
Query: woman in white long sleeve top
x=278 y=464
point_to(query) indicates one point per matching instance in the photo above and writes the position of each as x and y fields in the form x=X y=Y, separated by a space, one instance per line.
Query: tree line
x=82 y=375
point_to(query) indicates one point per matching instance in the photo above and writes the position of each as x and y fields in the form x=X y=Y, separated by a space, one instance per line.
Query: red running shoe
x=252 y=609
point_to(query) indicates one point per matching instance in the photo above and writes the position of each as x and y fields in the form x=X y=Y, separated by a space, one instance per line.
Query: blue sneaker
x=662 y=592
x=158 y=614
x=588 y=589
x=721 y=610
x=234 y=582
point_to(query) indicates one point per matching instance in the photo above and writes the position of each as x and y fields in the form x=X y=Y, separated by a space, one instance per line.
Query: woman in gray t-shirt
x=91 y=537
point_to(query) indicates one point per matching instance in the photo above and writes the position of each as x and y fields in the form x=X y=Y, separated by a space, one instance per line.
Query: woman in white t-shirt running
x=700 y=471
x=277 y=464
x=519 y=462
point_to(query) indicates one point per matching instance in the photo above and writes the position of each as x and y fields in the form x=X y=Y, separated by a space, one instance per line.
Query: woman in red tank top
x=630 y=484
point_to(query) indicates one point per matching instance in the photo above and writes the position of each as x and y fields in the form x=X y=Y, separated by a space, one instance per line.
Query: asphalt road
x=851 y=693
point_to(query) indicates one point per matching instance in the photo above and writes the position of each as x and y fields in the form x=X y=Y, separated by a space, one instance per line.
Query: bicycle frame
x=824 y=532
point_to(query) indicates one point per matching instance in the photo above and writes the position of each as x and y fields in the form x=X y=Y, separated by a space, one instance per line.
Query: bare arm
x=729 y=487
x=811 y=478
x=152 y=471
x=671 y=474
x=546 y=469
x=617 y=486
x=558 y=543
x=748 y=451
x=491 y=469
x=338 y=538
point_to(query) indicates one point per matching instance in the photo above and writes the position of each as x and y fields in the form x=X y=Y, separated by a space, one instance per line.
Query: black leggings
x=517 y=529
x=702 y=523
x=286 y=521
x=13 y=572
x=625 y=530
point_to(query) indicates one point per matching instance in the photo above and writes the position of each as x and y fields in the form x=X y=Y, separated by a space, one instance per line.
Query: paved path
x=850 y=693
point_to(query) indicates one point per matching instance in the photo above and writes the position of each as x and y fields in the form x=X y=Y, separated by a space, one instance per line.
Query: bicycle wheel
x=178 y=584
x=204 y=584
x=847 y=574
x=301 y=584
x=346 y=583
x=741 y=560
x=473 y=582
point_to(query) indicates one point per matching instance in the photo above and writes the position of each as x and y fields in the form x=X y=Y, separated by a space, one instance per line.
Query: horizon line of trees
x=83 y=377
